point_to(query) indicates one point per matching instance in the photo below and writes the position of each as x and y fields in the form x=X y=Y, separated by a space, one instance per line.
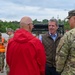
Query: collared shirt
x=52 y=36
x=40 y=37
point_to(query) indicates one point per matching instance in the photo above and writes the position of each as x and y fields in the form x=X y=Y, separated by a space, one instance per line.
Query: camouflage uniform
x=65 y=55
x=10 y=36
x=2 y=53
x=7 y=67
x=2 y=57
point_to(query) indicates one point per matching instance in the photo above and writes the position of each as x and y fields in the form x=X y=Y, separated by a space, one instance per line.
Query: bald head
x=25 y=21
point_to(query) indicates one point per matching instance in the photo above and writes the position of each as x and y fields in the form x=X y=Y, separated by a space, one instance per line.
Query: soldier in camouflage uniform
x=2 y=52
x=10 y=32
x=65 y=55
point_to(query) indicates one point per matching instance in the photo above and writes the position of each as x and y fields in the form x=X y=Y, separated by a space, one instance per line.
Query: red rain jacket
x=25 y=54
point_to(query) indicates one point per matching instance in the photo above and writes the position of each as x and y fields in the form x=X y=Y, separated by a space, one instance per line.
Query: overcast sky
x=11 y=10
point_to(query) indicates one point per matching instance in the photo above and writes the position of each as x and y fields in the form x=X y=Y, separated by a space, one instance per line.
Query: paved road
x=3 y=73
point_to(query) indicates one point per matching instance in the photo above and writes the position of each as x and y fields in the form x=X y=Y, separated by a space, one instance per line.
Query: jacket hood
x=22 y=36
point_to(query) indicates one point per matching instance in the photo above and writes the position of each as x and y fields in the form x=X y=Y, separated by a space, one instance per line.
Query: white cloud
x=15 y=9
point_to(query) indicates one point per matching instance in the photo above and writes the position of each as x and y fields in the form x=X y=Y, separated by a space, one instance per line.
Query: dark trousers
x=51 y=71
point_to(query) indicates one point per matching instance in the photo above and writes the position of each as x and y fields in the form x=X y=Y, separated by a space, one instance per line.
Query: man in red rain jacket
x=25 y=53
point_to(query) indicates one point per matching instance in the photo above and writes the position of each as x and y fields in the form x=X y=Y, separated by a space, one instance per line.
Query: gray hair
x=53 y=20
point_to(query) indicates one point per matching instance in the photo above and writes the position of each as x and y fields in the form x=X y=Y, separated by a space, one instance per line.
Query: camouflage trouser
x=7 y=69
x=2 y=57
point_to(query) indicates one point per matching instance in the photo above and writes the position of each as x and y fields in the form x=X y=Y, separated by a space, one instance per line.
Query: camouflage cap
x=70 y=14
x=9 y=30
